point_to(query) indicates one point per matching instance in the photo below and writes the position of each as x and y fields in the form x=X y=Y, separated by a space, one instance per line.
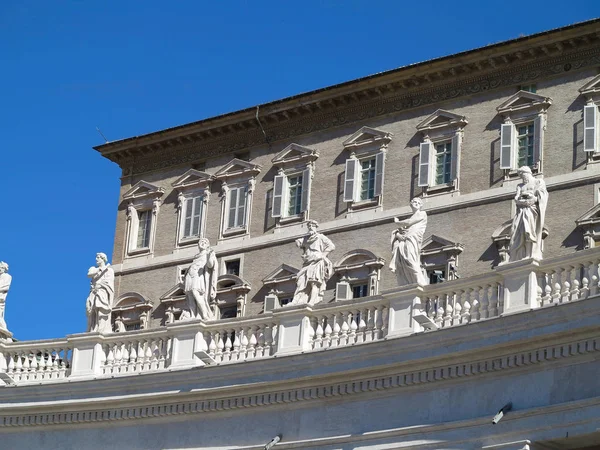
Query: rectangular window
x=436 y=276
x=443 y=162
x=144 y=228
x=360 y=290
x=294 y=195
x=367 y=179
x=193 y=216
x=525 y=143
x=229 y=312
x=232 y=267
x=237 y=207
x=285 y=300
x=133 y=326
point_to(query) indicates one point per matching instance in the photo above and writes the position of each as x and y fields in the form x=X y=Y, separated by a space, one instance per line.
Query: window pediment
x=523 y=101
x=176 y=293
x=232 y=283
x=280 y=275
x=192 y=179
x=368 y=137
x=442 y=119
x=295 y=153
x=237 y=168
x=436 y=244
x=591 y=217
x=591 y=88
x=143 y=189
x=132 y=301
x=357 y=259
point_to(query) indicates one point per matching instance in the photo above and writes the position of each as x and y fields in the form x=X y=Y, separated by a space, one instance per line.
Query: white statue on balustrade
x=100 y=300
x=407 y=241
x=316 y=267
x=5 y=280
x=528 y=224
x=200 y=284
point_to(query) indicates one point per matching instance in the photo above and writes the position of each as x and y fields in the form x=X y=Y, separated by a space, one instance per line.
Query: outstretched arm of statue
x=92 y=271
x=415 y=218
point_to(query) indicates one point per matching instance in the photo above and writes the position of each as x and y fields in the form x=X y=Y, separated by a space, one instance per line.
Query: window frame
x=194 y=184
x=357 y=267
x=141 y=197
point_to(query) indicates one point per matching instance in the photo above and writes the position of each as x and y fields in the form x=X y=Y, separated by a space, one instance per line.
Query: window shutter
x=424 y=157
x=590 y=121
x=350 y=181
x=277 y=195
x=379 y=172
x=506 y=139
x=306 y=182
x=241 y=214
x=537 y=140
x=189 y=208
x=342 y=291
x=456 y=141
x=232 y=208
x=196 y=218
x=271 y=302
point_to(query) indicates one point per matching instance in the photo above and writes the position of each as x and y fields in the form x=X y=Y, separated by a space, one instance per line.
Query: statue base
x=5 y=335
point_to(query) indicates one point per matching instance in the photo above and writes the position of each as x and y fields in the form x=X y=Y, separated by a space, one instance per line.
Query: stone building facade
x=451 y=111
x=493 y=354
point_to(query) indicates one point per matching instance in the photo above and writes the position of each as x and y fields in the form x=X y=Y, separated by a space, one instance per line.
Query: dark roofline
x=106 y=147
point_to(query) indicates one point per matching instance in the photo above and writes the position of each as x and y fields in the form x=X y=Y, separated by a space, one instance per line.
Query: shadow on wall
x=574 y=239
x=341 y=207
x=269 y=221
x=491 y=255
x=579 y=156
x=413 y=146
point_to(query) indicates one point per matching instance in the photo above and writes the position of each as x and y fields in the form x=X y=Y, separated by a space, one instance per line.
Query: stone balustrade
x=510 y=288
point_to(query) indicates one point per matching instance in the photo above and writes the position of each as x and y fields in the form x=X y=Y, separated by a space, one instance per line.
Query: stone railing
x=510 y=288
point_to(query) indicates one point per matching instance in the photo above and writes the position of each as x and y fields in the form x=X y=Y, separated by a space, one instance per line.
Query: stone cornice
x=514 y=62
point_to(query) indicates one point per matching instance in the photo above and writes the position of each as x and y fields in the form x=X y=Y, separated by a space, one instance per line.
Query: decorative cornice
x=413 y=86
x=456 y=370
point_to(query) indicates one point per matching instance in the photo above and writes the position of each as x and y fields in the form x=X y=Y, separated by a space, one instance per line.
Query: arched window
x=131 y=312
x=359 y=274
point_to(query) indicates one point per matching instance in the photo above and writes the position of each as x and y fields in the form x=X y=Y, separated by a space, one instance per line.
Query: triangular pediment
x=143 y=189
x=441 y=119
x=237 y=167
x=176 y=292
x=192 y=178
x=523 y=100
x=282 y=273
x=591 y=87
x=295 y=152
x=367 y=136
x=435 y=243
x=591 y=216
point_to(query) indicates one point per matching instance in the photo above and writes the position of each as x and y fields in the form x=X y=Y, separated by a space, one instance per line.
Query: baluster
x=11 y=363
x=481 y=296
x=46 y=363
x=466 y=306
x=148 y=355
x=384 y=320
x=370 y=321
x=379 y=322
x=235 y=352
x=221 y=338
x=361 y=325
x=133 y=356
x=475 y=305
x=344 y=328
x=327 y=332
x=56 y=356
x=458 y=300
x=556 y=280
x=162 y=355
x=594 y=279
x=353 y=327
x=268 y=349
x=493 y=299
x=227 y=346
x=448 y=310
x=212 y=345
x=118 y=357
x=575 y=282
x=439 y=311
x=566 y=290
x=33 y=366
x=251 y=350
x=260 y=341
x=318 y=341
x=62 y=370
x=126 y=356
x=584 y=292
x=335 y=335
x=547 y=296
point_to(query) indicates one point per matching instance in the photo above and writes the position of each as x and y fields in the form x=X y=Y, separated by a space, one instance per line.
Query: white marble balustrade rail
x=135 y=351
x=240 y=339
x=464 y=300
x=348 y=322
x=37 y=361
x=569 y=278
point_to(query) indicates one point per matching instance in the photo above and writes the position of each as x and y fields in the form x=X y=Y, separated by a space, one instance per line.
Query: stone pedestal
x=5 y=335
x=294 y=329
x=188 y=338
x=86 y=360
x=404 y=303
x=520 y=285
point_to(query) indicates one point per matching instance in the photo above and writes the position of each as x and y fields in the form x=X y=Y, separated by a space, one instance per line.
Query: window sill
x=186 y=242
x=364 y=204
x=446 y=188
x=231 y=232
x=139 y=251
x=291 y=219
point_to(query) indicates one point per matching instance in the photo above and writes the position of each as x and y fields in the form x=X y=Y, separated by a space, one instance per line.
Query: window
x=142 y=209
x=133 y=326
x=590 y=117
x=439 y=258
x=291 y=186
x=439 y=151
x=232 y=295
x=525 y=143
x=365 y=167
x=436 y=275
x=232 y=267
x=360 y=290
x=228 y=312
x=281 y=284
x=236 y=208
x=443 y=162
x=238 y=181
x=144 y=226
x=522 y=133
x=194 y=193
x=130 y=312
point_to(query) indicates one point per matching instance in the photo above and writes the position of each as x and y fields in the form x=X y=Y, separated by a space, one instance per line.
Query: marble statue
x=200 y=284
x=407 y=241
x=5 y=280
x=528 y=224
x=100 y=301
x=316 y=267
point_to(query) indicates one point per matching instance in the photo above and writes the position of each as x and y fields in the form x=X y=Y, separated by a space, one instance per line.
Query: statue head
x=3 y=267
x=203 y=244
x=416 y=204
x=312 y=226
x=101 y=259
x=525 y=172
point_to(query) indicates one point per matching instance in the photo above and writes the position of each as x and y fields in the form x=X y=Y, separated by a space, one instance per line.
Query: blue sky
x=129 y=68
